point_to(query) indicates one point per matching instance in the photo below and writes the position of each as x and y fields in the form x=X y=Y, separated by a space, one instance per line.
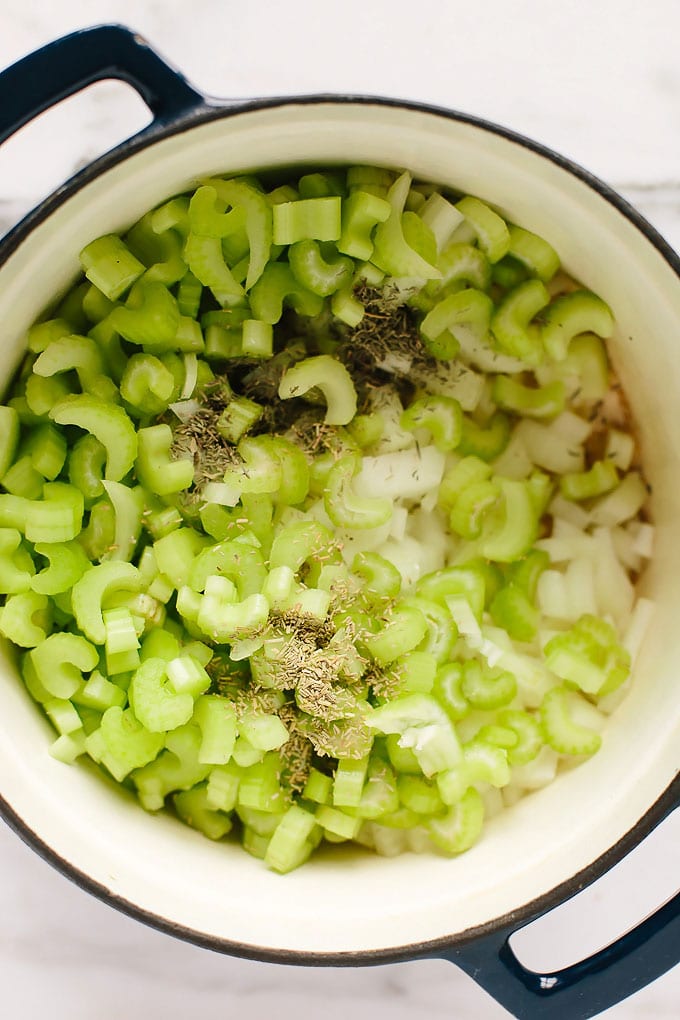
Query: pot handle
x=67 y=65
x=584 y=989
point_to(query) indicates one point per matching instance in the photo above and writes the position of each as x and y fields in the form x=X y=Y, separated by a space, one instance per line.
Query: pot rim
x=500 y=928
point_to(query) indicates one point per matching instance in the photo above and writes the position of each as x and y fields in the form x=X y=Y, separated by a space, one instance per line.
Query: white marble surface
x=599 y=82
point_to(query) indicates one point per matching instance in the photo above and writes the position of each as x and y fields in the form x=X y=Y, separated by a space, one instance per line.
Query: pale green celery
x=381 y=579
x=512 y=610
x=263 y=731
x=415 y=672
x=602 y=477
x=577 y=312
x=193 y=808
x=107 y=423
x=361 y=212
x=42 y=334
x=99 y=693
x=508 y=273
x=238 y=560
x=128 y=505
x=82 y=354
x=440 y=415
x=189 y=295
x=481 y=762
x=86 y=462
x=289 y=845
x=175 y=768
x=96 y=307
x=222 y=786
x=68 y=746
x=46 y=448
x=467 y=311
x=466 y=472
x=419 y=795
x=347 y=307
x=41 y=396
x=238 y=417
x=318 y=788
x=347 y=510
x=441 y=217
x=207 y=216
x=447 y=689
x=589 y=656
x=403 y=760
x=531 y=402
x=156 y=469
x=122 y=644
x=23 y=480
x=245 y=755
x=110 y=265
x=391 y=251
x=276 y=286
x=560 y=730
x=366 y=429
x=147 y=384
x=307 y=219
x=122 y=744
x=348 y=782
x=516 y=527
x=60 y=661
x=172 y=215
x=490 y=229
x=469 y=511
x=160 y=644
x=257 y=339
x=97 y=584
x=319 y=185
x=527 y=730
x=419 y=237
x=216 y=718
x=176 y=552
x=154 y=702
x=337 y=822
x=298 y=542
x=25 y=619
x=224 y=618
x=375 y=176
x=328 y=375
x=9 y=437
x=150 y=316
x=487 y=441
x=97 y=537
x=511 y=321
x=279 y=587
x=442 y=633
x=67 y=564
x=463 y=264
x=587 y=361
x=63 y=716
x=468 y=581
x=258 y=222
x=539 y=257
x=487 y=689
x=205 y=259
x=460 y=828
x=317 y=273
x=57 y=517
x=161 y=520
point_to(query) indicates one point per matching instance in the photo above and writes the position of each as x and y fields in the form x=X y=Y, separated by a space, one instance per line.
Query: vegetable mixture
x=321 y=513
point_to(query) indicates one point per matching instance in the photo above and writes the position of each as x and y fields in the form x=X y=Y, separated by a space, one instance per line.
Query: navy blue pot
x=482 y=950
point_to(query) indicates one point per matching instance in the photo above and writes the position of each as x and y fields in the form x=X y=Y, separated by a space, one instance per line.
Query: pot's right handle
x=65 y=66
x=584 y=989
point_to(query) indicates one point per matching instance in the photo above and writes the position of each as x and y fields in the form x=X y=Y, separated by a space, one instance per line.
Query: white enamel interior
x=341 y=905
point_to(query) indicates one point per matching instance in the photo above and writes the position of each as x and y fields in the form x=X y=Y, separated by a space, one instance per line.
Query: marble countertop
x=599 y=82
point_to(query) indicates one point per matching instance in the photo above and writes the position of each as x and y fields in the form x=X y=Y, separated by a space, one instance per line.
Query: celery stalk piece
x=25 y=619
x=110 y=265
x=361 y=212
x=9 y=437
x=328 y=375
x=107 y=423
x=316 y=219
x=95 y=585
x=156 y=469
x=534 y=252
x=60 y=661
x=574 y=313
x=491 y=230
x=391 y=251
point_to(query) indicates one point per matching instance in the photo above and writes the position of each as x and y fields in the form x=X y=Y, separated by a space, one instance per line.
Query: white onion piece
x=185 y=409
x=643 y=538
x=405 y=474
x=550 y=449
x=190 y=376
x=514 y=462
x=452 y=379
x=408 y=556
x=539 y=772
x=624 y=502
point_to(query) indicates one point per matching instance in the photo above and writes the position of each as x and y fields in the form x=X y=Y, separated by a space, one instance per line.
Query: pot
x=551 y=844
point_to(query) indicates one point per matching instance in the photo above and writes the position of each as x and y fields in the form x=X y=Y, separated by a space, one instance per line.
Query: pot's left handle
x=65 y=66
